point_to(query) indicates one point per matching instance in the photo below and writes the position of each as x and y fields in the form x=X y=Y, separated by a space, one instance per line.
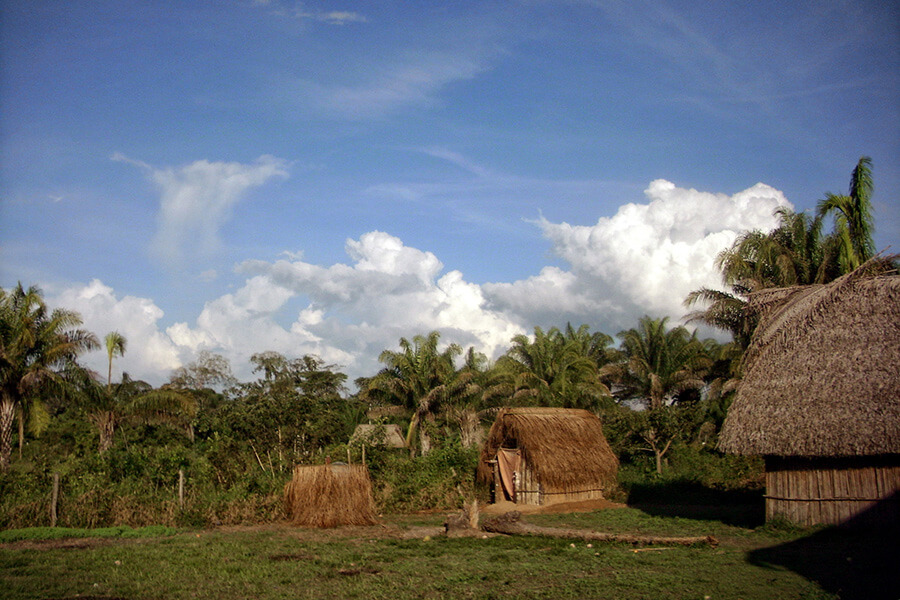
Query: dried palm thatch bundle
x=329 y=496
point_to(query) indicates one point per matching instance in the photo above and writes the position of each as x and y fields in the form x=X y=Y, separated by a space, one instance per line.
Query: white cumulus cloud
x=645 y=259
x=149 y=352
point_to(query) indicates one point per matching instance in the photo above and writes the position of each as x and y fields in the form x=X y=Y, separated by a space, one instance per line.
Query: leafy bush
x=442 y=479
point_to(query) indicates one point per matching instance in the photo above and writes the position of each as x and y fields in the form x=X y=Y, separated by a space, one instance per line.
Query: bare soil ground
x=560 y=507
x=386 y=529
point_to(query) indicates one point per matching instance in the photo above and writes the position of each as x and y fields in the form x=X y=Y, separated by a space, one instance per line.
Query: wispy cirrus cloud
x=300 y=11
x=196 y=200
x=333 y=17
x=413 y=80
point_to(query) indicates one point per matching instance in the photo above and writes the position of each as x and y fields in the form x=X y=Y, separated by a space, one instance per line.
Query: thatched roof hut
x=820 y=397
x=547 y=455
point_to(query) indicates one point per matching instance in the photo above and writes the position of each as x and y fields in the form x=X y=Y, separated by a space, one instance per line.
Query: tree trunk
x=411 y=434
x=7 y=414
x=650 y=437
x=510 y=524
x=106 y=425
x=468 y=428
x=20 y=418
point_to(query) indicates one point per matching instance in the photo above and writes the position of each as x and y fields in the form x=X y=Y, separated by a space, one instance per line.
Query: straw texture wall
x=821 y=374
x=329 y=496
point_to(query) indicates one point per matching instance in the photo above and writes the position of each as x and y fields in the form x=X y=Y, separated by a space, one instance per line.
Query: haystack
x=820 y=398
x=329 y=495
x=547 y=455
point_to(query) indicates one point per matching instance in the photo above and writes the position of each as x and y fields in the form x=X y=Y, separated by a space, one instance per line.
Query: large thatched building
x=547 y=455
x=820 y=399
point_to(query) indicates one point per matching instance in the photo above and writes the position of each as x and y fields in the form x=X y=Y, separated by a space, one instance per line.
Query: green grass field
x=403 y=558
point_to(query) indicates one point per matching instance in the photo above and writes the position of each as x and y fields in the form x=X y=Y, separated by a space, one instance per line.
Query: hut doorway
x=508 y=462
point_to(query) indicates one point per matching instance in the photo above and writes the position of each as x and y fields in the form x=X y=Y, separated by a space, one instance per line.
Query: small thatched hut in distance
x=820 y=399
x=547 y=455
x=329 y=495
x=389 y=436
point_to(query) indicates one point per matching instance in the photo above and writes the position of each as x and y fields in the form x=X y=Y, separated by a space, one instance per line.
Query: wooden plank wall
x=828 y=491
x=529 y=490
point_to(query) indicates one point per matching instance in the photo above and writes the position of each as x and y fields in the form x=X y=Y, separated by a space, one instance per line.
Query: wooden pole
x=348 y=455
x=181 y=488
x=364 y=455
x=54 y=499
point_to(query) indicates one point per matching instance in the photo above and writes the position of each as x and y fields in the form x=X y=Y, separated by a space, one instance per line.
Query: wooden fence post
x=54 y=499
x=181 y=489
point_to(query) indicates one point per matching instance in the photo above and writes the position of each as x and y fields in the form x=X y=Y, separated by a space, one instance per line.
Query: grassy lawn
x=396 y=560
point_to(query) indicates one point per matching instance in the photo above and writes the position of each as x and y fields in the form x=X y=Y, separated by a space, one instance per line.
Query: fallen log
x=511 y=524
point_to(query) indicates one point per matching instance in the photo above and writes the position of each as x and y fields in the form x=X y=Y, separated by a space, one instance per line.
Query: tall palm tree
x=471 y=402
x=853 y=216
x=794 y=253
x=35 y=345
x=421 y=378
x=659 y=362
x=553 y=370
x=115 y=346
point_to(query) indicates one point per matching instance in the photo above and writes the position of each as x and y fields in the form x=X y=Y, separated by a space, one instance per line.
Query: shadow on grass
x=859 y=559
x=692 y=500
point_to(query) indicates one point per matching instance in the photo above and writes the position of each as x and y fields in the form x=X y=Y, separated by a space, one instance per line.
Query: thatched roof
x=822 y=374
x=565 y=448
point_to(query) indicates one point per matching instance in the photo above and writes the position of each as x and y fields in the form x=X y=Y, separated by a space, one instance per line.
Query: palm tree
x=553 y=369
x=474 y=383
x=35 y=345
x=421 y=378
x=596 y=345
x=659 y=363
x=794 y=253
x=115 y=346
x=853 y=217
x=107 y=406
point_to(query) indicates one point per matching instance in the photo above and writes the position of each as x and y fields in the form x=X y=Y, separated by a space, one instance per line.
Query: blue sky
x=325 y=177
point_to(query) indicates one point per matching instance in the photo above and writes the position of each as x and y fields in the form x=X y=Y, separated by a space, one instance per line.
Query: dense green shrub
x=442 y=479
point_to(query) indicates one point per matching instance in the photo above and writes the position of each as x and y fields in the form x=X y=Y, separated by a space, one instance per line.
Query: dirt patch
x=561 y=507
x=62 y=544
x=311 y=534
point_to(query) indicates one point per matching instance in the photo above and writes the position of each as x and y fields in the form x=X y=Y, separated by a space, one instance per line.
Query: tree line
x=680 y=384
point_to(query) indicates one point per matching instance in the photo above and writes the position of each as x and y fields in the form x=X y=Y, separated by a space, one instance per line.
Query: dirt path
x=562 y=507
x=390 y=527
